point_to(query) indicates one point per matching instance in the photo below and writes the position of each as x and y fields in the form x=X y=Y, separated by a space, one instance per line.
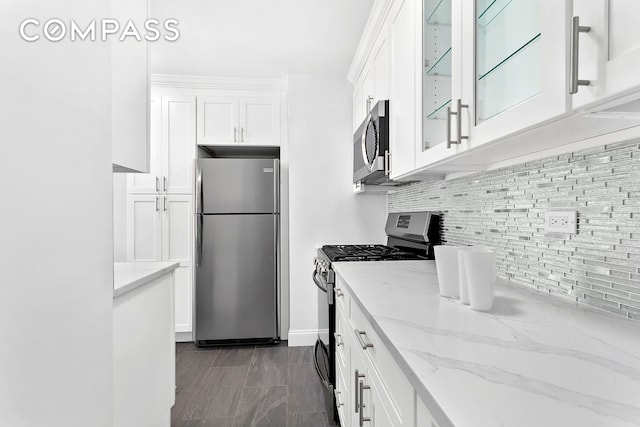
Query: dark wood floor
x=249 y=386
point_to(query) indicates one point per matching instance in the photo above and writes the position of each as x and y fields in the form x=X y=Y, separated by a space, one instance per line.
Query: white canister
x=462 y=274
x=447 y=270
x=480 y=269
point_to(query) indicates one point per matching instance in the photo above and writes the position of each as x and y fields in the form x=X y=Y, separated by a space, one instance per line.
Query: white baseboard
x=302 y=337
x=184 y=337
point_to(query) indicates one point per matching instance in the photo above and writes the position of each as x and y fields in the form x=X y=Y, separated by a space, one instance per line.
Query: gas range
x=410 y=236
x=335 y=253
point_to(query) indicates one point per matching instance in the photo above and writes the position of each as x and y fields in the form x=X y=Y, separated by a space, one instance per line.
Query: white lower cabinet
x=144 y=377
x=371 y=389
x=160 y=228
x=423 y=416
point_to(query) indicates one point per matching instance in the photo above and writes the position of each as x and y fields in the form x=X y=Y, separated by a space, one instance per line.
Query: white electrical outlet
x=560 y=222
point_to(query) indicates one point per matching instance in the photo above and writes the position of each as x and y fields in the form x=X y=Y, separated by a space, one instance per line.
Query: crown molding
x=375 y=24
x=213 y=82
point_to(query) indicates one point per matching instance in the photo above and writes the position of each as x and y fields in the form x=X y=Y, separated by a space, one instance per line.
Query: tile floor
x=249 y=386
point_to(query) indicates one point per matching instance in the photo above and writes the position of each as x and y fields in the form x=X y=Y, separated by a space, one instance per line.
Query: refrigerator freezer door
x=227 y=186
x=236 y=277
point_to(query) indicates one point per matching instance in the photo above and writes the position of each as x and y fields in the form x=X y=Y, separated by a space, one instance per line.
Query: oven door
x=324 y=351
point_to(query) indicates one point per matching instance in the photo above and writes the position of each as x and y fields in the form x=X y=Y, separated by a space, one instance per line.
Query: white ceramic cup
x=447 y=270
x=480 y=269
x=462 y=273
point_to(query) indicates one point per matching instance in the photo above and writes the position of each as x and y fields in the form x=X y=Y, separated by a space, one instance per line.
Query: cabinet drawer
x=342 y=329
x=396 y=386
x=342 y=298
x=342 y=395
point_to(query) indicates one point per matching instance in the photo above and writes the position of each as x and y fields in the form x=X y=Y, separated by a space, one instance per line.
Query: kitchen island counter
x=532 y=360
x=128 y=276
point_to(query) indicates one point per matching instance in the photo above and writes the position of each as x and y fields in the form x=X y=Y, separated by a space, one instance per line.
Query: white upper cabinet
x=403 y=91
x=150 y=182
x=498 y=81
x=251 y=119
x=381 y=66
x=129 y=93
x=519 y=76
x=217 y=120
x=172 y=148
x=373 y=83
x=608 y=49
x=260 y=120
x=491 y=69
x=178 y=149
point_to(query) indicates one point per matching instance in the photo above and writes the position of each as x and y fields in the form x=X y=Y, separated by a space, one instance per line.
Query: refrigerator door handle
x=276 y=260
x=199 y=201
x=199 y=225
x=276 y=185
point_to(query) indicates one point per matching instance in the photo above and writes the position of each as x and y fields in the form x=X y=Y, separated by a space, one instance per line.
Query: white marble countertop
x=529 y=361
x=128 y=276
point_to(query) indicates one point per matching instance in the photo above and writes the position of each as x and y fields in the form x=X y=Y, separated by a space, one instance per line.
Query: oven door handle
x=325 y=382
x=319 y=282
x=323 y=286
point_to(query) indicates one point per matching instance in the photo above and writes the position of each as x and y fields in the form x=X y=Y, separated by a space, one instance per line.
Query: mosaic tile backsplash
x=504 y=209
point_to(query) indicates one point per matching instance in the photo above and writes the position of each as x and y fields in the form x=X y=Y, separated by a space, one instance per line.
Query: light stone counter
x=530 y=361
x=128 y=276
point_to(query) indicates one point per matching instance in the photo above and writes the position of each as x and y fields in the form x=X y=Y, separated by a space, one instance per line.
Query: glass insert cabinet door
x=515 y=56
x=491 y=69
x=508 y=51
x=436 y=78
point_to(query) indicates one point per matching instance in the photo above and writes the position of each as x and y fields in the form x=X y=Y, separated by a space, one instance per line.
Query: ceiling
x=259 y=38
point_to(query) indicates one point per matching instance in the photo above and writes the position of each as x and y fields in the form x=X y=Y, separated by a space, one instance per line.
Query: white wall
x=56 y=249
x=322 y=206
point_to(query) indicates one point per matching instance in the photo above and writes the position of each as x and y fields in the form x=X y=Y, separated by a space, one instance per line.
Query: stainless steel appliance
x=410 y=236
x=371 y=147
x=237 y=222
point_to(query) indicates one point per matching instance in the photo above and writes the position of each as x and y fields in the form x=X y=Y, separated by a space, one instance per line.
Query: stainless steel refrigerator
x=237 y=223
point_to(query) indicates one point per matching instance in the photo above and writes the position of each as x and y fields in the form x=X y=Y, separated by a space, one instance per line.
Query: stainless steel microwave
x=371 y=147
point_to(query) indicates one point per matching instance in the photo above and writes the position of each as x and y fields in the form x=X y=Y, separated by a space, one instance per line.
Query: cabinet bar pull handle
x=460 y=106
x=387 y=162
x=242 y=134
x=449 y=114
x=576 y=29
x=363 y=387
x=336 y=393
x=164 y=183
x=164 y=203
x=235 y=134
x=157 y=206
x=357 y=376
x=338 y=339
x=458 y=114
x=157 y=183
x=360 y=334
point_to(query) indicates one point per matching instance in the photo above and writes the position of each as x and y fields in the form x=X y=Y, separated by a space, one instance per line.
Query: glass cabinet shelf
x=486 y=73
x=441 y=14
x=491 y=9
x=442 y=66
x=440 y=113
